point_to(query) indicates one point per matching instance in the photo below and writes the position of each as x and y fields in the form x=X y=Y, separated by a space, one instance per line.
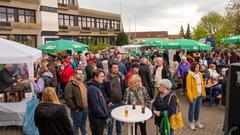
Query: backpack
x=48 y=81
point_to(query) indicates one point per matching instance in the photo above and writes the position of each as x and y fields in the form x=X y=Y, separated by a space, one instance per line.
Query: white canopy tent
x=15 y=53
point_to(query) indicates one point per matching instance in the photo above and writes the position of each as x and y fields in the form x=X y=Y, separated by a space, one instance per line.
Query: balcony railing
x=5 y=25
x=67 y=6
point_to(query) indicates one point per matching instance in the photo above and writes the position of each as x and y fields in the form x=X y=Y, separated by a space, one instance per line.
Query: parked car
x=137 y=48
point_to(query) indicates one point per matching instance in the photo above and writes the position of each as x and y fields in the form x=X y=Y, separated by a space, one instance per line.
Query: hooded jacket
x=40 y=85
x=97 y=106
x=52 y=119
x=192 y=92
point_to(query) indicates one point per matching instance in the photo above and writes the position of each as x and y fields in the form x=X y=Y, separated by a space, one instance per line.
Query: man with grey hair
x=182 y=71
x=160 y=72
x=6 y=77
x=145 y=73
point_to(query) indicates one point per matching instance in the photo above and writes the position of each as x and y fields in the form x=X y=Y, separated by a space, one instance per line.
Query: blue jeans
x=111 y=121
x=79 y=121
x=194 y=109
x=171 y=132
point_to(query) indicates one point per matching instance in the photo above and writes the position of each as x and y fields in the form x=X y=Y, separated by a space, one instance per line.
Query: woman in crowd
x=195 y=93
x=50 y=116
x=164 y=103
x=213 y=76
x=137 y=94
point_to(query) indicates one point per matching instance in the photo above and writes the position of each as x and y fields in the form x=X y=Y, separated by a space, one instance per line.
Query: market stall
x=12 y=110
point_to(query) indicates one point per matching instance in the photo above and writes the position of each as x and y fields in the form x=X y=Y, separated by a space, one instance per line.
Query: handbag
x=164 y=127
x=29 y=127
x=176 y=120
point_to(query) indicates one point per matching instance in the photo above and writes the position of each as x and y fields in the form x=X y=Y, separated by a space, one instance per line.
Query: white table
x=134 y=115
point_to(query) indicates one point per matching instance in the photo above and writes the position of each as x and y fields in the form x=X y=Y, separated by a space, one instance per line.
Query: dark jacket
x=111 y=92
x=5 y=79
x=162 y=105
x=224 y=90
x=73 y=96
x=165 y=72
x=52 y=119
x=145 y=73
x=97 y=106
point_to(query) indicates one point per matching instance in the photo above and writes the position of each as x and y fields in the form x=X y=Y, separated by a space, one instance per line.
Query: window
x=21 y=17
x=66 y=20
x=30 y=40
x=80 y=22
x=10 y=15
x=84 y=22
x=101 y=23
x=30 y=16
x=89 y=22
x=97 y=23
x=71 y=21
x=93 y=22
x=60 y=20
x=67 y=2
x=3 y=14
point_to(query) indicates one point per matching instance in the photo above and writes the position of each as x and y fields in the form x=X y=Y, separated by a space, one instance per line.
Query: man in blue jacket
x=97 y=107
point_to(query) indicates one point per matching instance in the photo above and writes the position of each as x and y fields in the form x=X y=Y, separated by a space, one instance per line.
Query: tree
x=98 y=47
x=122 y=39
x=199 y=32
x=212 y=22
x=188 y=32
x=233 y=16
x=181 y=33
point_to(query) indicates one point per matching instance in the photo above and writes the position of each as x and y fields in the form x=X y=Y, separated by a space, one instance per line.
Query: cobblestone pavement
x=210 y=117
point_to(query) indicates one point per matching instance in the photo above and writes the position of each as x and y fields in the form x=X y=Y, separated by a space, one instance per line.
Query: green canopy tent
x=153 y=41
x=62 y=45
x=187 y=44
x=231 y=40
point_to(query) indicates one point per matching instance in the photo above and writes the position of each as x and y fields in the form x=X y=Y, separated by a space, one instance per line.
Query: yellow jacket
x=191 y=85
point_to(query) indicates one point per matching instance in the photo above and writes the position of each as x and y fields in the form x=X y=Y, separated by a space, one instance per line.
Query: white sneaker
x=199 y=125
x=192 y=126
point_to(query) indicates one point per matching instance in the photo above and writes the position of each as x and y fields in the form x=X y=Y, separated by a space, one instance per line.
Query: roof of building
x=98 y=14
x=150 y=34
x=174 y=36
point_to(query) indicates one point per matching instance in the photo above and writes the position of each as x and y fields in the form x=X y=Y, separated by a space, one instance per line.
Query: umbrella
x=62 y=45
x=231 y=40
x=154 y=41
x=187 y=44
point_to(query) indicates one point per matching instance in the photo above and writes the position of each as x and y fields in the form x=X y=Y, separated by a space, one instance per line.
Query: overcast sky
x=157 y=15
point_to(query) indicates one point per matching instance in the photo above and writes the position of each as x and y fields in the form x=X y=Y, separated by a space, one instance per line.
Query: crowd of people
x=92 y=85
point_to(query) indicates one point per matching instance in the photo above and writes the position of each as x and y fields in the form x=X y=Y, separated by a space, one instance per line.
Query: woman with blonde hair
x=50 y=116
x=137 y=94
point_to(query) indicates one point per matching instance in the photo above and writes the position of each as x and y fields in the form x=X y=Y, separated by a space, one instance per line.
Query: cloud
x=157 y=15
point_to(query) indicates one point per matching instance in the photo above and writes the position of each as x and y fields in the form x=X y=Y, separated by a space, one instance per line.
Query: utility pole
x=135 y=31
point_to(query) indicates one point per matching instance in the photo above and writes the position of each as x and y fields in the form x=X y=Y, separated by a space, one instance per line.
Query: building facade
x=34 y=22
x=140 y=36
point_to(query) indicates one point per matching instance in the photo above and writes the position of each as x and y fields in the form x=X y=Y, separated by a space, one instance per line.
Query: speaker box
x=233 y=99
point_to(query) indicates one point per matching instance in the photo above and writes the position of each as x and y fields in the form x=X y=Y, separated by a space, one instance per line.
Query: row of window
x=92 y=39
x=30 y=40
x=17 y=15
x=87 y=22
x=67 y=2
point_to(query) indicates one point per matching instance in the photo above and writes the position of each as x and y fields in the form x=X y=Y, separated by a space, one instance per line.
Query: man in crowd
x=160 y=72
x=145 y=73
x=122 y=67
x=183 y=68
x=97 y=107
x=114 y=89
x=76 y=100
x=65 y=74
x=6 y=77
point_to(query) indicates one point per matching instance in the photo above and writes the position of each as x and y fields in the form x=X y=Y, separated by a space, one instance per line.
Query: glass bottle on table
x=126 y=111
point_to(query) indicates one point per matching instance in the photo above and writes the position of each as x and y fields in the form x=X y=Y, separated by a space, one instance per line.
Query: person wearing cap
x=65 y=74
x=134 y=70
x=163 y=102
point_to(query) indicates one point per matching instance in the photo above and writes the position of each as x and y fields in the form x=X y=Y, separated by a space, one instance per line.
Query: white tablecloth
x=134 y=115
x=13 y=113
